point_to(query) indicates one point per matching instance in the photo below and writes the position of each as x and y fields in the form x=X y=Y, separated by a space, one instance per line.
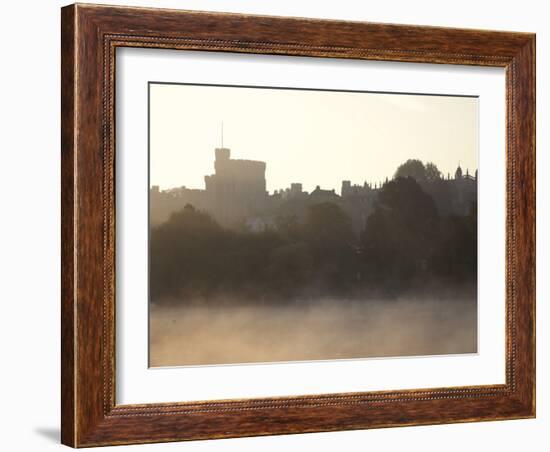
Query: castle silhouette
x=235 y=196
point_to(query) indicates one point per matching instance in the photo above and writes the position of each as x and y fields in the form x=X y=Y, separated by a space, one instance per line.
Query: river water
x=329 y=329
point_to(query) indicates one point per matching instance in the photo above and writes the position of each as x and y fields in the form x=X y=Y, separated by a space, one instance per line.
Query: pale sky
x=312 y=137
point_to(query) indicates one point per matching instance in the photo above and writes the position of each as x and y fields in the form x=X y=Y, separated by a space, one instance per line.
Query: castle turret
x=296 y=188
x=458 y=173
x=236 y=189
x=346 y=187
x=222 y=155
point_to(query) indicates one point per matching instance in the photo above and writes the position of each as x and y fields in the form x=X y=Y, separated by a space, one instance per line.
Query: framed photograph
x=280 y=225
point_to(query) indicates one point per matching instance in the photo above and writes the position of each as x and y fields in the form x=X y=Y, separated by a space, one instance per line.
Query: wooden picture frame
x=90 y=35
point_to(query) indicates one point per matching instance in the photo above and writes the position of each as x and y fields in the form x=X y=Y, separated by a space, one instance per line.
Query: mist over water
x=238 y=275
x=198 y=334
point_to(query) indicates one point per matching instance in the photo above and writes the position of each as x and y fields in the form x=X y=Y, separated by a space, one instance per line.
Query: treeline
x=405 y=242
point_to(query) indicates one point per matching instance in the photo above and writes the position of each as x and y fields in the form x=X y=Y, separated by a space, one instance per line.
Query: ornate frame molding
x=90 y=37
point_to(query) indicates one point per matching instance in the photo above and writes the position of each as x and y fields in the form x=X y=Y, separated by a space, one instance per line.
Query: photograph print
x=294 y=224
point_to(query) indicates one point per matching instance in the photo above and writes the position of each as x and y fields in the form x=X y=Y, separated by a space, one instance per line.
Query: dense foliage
x=405 y=241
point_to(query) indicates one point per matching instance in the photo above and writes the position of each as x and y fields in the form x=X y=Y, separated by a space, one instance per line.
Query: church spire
x=458 y=172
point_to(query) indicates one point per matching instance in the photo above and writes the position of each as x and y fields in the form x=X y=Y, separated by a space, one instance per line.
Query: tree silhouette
x=412 y=168
x=432 y=172
x=290 y=268
x=328 y=232
x=418 y=171
x=328 y=226
x=185 y=251
x=312 y=251
x=398 y=238
x=455 y=257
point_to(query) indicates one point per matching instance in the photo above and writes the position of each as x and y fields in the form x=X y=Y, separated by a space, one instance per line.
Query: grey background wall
x=29 y=236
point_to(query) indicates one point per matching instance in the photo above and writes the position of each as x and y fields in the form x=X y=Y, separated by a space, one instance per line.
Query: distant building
x=294 y=192
x=319 y=195
x=237 y=189
x=358 y=202
x=235 y=195
x=355 y=190
x=464 y=192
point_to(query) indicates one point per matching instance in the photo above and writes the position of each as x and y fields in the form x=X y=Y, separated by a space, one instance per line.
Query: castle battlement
x=236 y=195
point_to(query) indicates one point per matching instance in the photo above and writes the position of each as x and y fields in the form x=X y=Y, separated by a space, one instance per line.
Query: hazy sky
x=312 y=137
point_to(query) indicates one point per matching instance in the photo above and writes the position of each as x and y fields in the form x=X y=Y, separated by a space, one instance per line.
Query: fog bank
x=194 y=334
